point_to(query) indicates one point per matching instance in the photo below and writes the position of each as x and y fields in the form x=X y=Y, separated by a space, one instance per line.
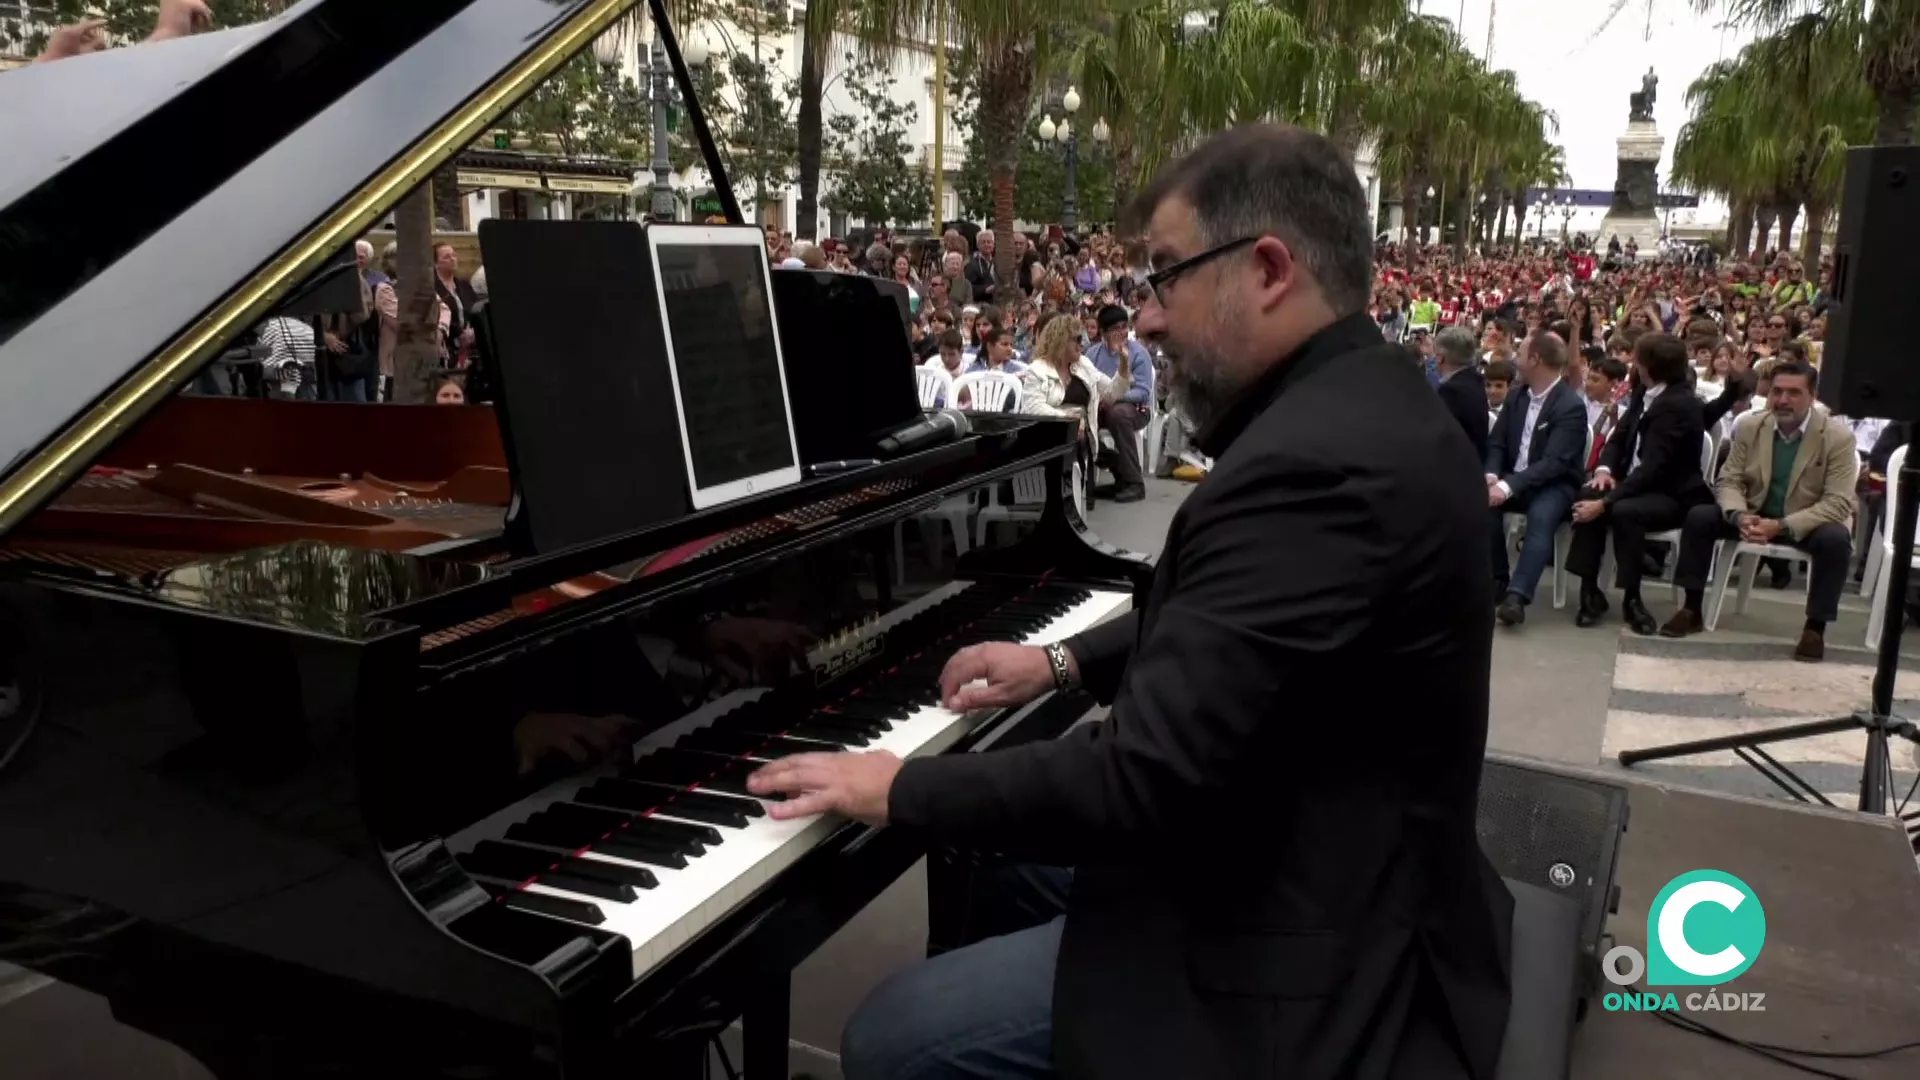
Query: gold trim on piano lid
x=67 y=454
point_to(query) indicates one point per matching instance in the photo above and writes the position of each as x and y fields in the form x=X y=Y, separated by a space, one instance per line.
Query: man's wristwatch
x=1062 y=668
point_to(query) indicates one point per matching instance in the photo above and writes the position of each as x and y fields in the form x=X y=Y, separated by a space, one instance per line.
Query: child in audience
x=1499 y=375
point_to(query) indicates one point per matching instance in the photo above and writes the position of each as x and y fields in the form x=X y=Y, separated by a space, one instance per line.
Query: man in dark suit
x=1655 y=455
x=1534 y=465
x=1233 y=914
x=1461 y=387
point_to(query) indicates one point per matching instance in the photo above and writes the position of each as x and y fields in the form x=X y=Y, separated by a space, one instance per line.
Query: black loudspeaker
x=1561 y=833
x=1866 y=369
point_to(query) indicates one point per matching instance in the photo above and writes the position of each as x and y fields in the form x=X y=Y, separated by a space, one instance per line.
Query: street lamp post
x=1433 y=216
x=1566 y=215
x=1067 y=137
x=654 y=71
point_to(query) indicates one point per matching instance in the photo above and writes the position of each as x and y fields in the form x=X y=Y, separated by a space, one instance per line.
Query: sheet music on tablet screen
x=721 y=325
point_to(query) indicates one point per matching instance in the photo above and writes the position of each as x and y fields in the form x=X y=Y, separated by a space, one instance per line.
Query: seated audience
x=1533 y=468
x=953 y=272
x=996 y=354
x=952 y=360
x=1604 y=377
x=1789 y=479
x=1061 y=382
x=1127 y=414
x=1498 y=375
x=1655 y=454
x=1461 y=386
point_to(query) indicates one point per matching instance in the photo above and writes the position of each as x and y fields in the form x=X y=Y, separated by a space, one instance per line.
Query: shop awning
x=535 y=172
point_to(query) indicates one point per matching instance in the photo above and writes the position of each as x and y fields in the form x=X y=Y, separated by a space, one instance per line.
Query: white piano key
x=685 y=902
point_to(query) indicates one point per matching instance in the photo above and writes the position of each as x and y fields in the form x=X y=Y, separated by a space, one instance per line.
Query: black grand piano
x=306 y=765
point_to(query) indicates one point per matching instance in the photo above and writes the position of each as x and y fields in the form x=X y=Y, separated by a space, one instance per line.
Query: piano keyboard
x=671 y=842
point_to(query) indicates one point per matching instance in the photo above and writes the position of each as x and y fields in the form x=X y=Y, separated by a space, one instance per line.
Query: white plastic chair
x=1156 y=443
x=1876 y=572
x=1728 y=554
x=1029 y=499
x=1562 y=537
x=936 y=386
x=996 y=391
x=988 y=391
x=1708 y=450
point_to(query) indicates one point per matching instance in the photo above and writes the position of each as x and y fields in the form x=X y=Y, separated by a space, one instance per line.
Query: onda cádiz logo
x=1705 y=929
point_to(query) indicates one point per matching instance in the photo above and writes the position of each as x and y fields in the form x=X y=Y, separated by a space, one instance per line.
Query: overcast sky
x=1584 y=75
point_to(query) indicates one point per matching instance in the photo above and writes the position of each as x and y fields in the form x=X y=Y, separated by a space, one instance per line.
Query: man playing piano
x=1276 y=872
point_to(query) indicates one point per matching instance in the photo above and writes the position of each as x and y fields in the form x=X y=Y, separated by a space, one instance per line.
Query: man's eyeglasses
x=1158 y=280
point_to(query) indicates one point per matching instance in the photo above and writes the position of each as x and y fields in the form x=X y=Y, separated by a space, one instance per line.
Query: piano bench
x=1545 y=983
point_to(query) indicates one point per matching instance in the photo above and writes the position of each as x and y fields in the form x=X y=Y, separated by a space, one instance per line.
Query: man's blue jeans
x=983 y=1011
x=1546 y=509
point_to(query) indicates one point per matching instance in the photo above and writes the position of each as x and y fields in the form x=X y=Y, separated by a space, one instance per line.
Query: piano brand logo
x=1705 y=928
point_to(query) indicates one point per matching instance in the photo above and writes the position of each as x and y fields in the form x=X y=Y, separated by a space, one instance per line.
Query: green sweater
x=1785 y=451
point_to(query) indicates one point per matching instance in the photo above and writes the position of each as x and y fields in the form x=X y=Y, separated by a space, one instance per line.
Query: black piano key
x=634 y=849
x=749 y=807
x=597 y=818
x=676 y=830
x=865 y=709
x=688 y=806
x=558 y=906
x=685 y=811
x=638 y=877
x=682 y=837
x=901 y=695
x=549 y=834
x=852 y=725
x=751 y=744
x=587 y=886
x=620 y=845
x=731 y=783
x=841 y=736
x=600 y=822
x=509 y=861
x=668 y=765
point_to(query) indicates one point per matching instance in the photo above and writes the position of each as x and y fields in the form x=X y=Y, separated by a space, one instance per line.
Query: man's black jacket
x=1278 y=874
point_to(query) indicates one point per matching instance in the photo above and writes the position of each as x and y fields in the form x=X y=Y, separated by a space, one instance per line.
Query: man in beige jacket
x=1789 y=479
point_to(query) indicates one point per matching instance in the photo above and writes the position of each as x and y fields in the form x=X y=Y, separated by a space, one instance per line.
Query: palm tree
x=1530 y=163
x=1009 y=42
x=1448 y=121
x=1770 y=128
x=1124 y=65
x=1889 y=38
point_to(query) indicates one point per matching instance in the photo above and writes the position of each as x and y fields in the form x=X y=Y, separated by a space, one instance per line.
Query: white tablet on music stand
x=723 y=351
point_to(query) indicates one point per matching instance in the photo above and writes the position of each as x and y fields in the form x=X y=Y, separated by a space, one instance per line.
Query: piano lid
x=209 y=178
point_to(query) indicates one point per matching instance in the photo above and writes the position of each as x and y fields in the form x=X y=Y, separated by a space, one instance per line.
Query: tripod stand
x=1878 y=720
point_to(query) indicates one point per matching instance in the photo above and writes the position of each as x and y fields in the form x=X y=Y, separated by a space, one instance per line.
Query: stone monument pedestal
x=1633 y=214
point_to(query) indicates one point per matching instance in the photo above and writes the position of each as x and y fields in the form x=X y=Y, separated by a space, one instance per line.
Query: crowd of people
x=1063 y=326
x=1654 y=406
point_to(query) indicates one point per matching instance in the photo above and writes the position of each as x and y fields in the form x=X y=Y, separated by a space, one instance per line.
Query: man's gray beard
x=1200 y=386
x=1201 y=381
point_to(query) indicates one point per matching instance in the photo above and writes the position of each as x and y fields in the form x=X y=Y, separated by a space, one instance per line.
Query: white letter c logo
x=1673 y=928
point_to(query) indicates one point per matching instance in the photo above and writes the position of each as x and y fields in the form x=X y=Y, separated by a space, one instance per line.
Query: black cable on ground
x=1776 y=1052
